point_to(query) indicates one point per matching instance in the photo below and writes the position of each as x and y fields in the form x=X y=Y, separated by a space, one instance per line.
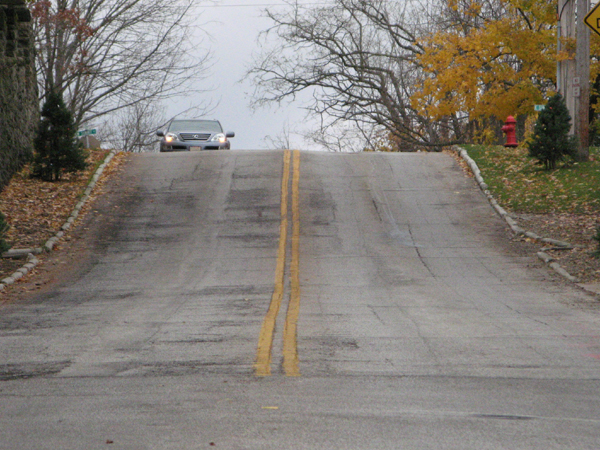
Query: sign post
x=87 y=134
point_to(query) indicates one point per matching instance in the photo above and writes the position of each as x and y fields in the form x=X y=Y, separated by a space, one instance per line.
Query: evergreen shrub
x=551 y=141
x=57 y=148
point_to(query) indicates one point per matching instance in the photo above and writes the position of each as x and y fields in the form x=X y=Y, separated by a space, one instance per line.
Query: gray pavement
x=421 y=326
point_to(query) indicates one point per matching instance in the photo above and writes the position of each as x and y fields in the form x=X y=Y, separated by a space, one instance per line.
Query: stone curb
x=514 y=226
x=29 y=253
x=32 y=261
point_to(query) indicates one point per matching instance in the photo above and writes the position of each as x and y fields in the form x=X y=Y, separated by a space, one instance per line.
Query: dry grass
x=36 y=210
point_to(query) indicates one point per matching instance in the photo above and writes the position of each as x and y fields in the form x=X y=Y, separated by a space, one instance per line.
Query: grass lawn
x=522 y=186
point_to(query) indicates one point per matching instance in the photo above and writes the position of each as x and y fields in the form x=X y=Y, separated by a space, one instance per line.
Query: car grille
x=195 y=136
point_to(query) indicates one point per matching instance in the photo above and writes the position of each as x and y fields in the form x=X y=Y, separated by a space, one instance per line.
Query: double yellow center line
x=264 y=356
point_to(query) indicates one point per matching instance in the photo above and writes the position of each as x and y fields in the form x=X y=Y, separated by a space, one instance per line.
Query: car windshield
x=196 y=125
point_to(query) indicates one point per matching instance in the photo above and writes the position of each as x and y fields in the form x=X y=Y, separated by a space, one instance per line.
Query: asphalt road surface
x=297 y=300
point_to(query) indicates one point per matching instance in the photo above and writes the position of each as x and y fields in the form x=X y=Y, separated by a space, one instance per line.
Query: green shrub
x=56 y=144
x=551 y=141
x=4 y=246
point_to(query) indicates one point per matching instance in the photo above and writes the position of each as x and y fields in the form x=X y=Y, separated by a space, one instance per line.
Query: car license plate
x=195 y=149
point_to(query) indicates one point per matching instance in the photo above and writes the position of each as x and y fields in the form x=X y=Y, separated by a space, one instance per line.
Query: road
x=300 y=300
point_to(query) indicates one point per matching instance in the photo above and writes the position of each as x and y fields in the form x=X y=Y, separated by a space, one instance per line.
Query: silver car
x=194 y=135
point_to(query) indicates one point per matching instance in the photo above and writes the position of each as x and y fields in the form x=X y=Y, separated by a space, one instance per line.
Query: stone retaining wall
x=19 y=107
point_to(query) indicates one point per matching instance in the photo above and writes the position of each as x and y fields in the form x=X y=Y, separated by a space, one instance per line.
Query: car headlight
x=219 y=137
x=170 y=137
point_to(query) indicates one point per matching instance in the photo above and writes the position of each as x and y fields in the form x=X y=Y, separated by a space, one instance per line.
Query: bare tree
x=281 y=140
x=133 y=129
x=109 y=55
x=360 y=59
x=343 y=136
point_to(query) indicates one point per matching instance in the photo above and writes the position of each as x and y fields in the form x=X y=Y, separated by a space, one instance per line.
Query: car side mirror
x=160 y=133
x=230 y=134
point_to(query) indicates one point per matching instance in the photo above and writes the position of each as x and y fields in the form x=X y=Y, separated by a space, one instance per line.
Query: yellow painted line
x=290 y=336
x=262 y=366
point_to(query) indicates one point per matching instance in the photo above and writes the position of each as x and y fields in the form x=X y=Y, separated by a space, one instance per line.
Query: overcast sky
x=233 y=26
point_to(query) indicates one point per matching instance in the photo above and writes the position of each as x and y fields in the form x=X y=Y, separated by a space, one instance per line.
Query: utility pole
x=565 y=72
x=581 y=90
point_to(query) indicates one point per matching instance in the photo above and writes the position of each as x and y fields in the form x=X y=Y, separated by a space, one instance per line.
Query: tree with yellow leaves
x=492 y=59
x=421 y=73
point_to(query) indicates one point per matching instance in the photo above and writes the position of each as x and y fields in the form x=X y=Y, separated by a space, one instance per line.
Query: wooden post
x=566 y=68
x=582 y=75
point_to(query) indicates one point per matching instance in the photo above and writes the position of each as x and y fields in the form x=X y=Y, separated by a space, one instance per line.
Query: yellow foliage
x=529 y=129
x=484 y=136
x=498 y=68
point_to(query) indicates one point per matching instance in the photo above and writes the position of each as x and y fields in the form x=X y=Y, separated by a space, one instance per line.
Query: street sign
x=592 y=20
x=539 y=107
x=86 y=134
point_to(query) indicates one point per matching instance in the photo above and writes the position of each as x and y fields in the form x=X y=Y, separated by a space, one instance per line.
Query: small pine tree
x=4 y=246
x=551 y=141
x=56 y=145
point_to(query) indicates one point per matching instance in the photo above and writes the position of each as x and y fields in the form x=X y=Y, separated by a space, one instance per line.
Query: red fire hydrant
x=510 y=130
